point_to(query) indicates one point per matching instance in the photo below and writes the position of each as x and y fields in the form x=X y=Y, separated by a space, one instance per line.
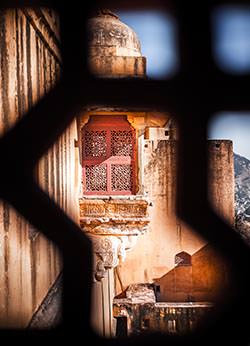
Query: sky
x=231 y=32
x=234 y=126
x=157 y=33
x=230 y=25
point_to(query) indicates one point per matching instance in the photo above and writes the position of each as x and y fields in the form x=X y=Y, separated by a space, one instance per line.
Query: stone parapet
x=139 y=311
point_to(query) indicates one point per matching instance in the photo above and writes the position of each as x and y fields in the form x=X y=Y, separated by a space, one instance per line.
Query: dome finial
x=106 y=12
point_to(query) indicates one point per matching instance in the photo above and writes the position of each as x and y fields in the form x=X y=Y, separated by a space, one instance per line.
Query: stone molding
x=113 y=225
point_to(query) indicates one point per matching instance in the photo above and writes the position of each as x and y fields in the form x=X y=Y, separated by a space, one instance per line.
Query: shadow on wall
x=200 y=277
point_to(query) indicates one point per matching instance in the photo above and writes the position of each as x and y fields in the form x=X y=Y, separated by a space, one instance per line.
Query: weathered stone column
x=113 y=224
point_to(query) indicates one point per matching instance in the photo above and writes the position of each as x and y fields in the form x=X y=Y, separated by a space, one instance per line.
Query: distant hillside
x=242 y=195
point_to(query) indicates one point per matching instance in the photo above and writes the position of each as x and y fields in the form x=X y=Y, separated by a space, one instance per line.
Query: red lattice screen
x=108 y=156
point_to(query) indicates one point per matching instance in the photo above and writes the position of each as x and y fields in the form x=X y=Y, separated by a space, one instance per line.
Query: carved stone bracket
x=108 y=251
x=113 y=225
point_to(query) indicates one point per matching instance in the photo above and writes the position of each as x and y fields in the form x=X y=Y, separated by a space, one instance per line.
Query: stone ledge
x=113 y=225
x=117 y=211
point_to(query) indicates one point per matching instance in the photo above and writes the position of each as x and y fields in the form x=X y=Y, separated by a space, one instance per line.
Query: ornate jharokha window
x=108 y=156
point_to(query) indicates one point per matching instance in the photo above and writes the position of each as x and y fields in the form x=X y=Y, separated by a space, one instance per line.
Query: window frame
x=199 y=89
x=108 y=123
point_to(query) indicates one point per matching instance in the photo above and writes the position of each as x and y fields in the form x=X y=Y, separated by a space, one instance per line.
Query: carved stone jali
x=113 y=226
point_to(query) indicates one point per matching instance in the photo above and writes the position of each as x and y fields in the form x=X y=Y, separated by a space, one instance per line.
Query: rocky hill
x=242 y=195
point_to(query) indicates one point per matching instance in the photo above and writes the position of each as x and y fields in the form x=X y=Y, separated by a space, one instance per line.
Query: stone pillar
x=102 y=305
x=113 y=224
x=221 y=178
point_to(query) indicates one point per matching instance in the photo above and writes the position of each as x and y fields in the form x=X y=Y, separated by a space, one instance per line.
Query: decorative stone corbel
x=109 y=250
x=113 y=226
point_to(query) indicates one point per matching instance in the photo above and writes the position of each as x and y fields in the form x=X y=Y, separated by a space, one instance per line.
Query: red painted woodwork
x=109 y=156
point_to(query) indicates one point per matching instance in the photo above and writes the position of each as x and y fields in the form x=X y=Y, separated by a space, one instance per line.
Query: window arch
x=183 y=259
x=108 y=156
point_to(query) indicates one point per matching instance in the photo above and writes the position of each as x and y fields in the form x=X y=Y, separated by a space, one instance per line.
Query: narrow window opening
x=183 y=259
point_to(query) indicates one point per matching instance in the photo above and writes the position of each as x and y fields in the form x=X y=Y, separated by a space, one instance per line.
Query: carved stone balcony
x=113 y=224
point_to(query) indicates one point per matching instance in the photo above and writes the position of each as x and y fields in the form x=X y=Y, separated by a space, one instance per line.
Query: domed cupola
x=114 y=48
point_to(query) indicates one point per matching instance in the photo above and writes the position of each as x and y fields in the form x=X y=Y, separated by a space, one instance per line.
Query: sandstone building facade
x=118 y=183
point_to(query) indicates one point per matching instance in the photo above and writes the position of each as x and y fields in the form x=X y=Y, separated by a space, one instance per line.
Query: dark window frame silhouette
x=198 y=90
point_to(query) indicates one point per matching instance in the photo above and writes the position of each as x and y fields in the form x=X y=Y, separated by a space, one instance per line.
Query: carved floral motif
x=113 y=226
